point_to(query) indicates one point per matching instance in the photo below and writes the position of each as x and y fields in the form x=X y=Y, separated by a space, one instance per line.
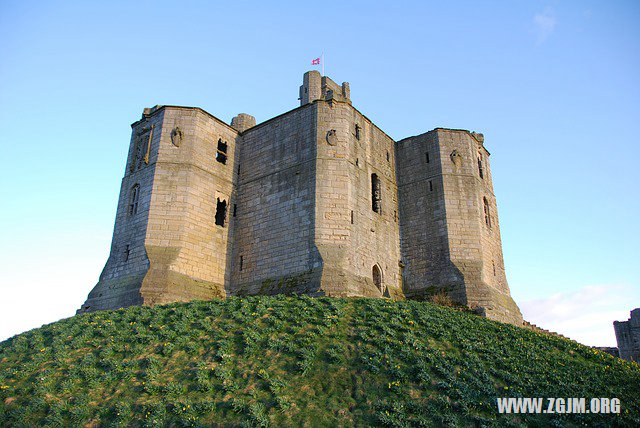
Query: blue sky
x=553 y=86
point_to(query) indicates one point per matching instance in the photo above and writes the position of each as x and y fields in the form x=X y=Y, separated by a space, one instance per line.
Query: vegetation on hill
x=299 y=361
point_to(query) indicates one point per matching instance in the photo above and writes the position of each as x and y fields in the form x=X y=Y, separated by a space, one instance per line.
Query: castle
x=628 y=336
x=317 y=200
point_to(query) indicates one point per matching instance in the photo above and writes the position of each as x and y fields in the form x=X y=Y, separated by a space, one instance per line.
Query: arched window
x=134 y=196
x=487 y=213
x=377 y=277
x=376 y=195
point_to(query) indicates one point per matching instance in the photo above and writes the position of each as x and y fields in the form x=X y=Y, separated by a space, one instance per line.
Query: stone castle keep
x=318 y=200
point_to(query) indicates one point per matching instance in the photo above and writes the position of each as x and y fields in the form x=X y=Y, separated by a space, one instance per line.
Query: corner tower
x=172 y=227
x=450 y=235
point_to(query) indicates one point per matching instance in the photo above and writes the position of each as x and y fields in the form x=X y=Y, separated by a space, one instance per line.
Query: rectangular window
x=238 y=169
x=235 y=209
x=221 y=153
x=427 y=156
x=388 y=158
x=241 y=262
x=430 y=186
x=221 y=212
x=351 y=216
x=127 y=252
x=357 y=132
x=376 y=194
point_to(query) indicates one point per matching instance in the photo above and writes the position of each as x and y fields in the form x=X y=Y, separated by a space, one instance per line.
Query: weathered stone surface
x=317 y=200
x=628 y=336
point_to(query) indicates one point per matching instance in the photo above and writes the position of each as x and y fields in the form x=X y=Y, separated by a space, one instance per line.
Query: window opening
x=351 y=216
x=235 y=209
x=388 y=157
x=357 y=132
x=487 y=213
x=241 y=262
x=133 y=199
x=480 y=168
x=127 y=252
x=430 y=186
x=427 y=156
x=494 y=267
x=376 y=196
x=221 y=154
x=221 y=212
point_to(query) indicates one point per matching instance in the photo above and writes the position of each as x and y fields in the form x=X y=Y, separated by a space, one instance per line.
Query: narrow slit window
x=241 y=262
x=357 y=132
x=430 y=186
x=357 y=161
x=238 y=169
x=480 y=166
x=127 y=253
x=235 y=209
x=494 y=267
x=221 y=153
x=426 y=155
x=351 y=216
x=133 y=199
x=388 y=157
x=221 y=212
x=376 y=194
x=487 y=213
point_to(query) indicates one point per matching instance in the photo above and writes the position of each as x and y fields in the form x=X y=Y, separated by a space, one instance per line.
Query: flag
x=315 y=61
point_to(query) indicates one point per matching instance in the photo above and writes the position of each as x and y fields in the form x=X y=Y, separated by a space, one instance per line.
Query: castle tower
x=449 y=222
x=357 y=229
x=628 y=336
x=171 y=234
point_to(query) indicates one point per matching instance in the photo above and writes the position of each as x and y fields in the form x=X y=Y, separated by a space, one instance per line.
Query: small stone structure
x=317 y=200
x=628 y=336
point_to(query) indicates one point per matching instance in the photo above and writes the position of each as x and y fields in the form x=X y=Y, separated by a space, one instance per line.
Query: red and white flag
x=315 y=61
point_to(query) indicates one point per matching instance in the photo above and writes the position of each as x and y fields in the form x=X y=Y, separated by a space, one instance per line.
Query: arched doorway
x=376 y=273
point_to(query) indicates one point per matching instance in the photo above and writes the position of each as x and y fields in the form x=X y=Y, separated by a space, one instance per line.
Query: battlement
x=316 y=87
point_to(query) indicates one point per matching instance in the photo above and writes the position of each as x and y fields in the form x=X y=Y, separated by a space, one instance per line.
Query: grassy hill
x=294 y=361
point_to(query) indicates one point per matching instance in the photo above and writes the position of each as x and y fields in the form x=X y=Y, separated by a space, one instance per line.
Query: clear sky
x=554 y=86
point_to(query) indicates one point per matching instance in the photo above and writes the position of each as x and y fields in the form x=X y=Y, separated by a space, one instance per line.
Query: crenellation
x=317 y=200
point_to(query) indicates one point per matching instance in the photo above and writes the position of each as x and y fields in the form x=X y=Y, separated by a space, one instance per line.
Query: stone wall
x=350 y=236
x=273 y=245
x=628 y=336
x=121 y=278
x=423 y=228
x=193 y=183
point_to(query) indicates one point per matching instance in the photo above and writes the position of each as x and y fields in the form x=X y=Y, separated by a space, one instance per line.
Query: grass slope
x=293 y=361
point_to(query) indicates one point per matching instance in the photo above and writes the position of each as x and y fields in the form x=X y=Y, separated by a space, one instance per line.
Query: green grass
x=299 y=361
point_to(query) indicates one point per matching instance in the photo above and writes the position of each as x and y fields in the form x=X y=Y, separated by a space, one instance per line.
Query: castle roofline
x=153 y=110
x=466 y=131
x=311 y=103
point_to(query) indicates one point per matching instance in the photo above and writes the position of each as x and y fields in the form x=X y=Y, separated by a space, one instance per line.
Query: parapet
x=317 y=87
x=242 y=122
